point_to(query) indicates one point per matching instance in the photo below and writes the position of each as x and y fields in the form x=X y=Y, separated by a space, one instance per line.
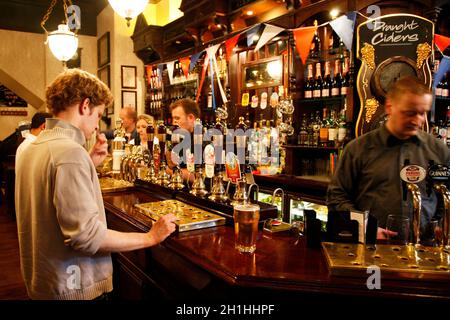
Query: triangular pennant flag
x=185 y=62
x=213 y=49
x=268 y=33
x=230 y=44
x=441 y=42
x=444 y=66
x=344 y=28
x=170 y=70
x=251 y=33
x=194 y=59
x=303 y=38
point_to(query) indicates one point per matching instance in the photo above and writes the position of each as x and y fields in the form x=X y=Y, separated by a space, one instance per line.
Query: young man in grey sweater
x=64 y=242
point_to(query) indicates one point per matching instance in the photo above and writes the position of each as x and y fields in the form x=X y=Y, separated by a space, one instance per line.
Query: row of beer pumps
x=437 y=178
x=149 y=163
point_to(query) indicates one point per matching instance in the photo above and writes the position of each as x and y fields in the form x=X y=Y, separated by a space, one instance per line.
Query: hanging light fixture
x=128 y=9
x=63 y=43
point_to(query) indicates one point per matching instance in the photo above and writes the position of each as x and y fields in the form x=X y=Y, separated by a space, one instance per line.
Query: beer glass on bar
x=246 y=218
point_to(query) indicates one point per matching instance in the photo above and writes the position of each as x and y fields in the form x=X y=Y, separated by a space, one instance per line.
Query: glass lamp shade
x=63 y=43
x=129 y=9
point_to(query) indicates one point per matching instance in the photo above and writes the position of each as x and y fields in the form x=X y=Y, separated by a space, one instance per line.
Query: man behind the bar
x=128 y=116
x=368 y=173
x=184 y=112
x=64 y=242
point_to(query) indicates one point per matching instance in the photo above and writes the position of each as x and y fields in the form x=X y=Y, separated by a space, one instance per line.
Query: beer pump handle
x=404 y=185
x=429 y=187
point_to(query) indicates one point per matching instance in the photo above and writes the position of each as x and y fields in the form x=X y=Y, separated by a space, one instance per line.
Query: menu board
x=9 y=99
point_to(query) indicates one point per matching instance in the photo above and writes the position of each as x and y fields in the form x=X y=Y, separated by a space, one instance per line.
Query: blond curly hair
x=74 y=85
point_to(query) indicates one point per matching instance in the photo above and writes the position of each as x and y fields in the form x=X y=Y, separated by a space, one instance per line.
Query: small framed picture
x=103 y=50
x=128 y=77
x=104 y=75
x=129 y=99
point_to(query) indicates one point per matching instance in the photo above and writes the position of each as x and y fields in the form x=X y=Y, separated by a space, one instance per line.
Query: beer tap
x=176 y=182
x=218 y=192
x=277 y=190
x=151 y=174
x=118 y=147
x=411 y=175
x=240 y=195
x=198 y=186
x=257 y=190
x=439 y=175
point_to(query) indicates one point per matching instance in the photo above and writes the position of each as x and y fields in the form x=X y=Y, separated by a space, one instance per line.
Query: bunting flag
x=344 y=28
x=268 y=33
x=444 y=66
x=441 y=42
x=212 y=50
x=230 y=44
x=149 y=72
x=185 y=62
x=205 y=67
x=219 y=83
x=170 y=70
x=303 y=38
x=160 y=69
x=194 y=59
x=251 y=33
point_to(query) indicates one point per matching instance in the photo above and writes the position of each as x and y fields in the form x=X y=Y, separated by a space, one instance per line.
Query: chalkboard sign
x=390 y=47
x=10 y=99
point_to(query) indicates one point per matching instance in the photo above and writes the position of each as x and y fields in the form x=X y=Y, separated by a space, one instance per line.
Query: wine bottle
x=315 y=48
x=337 y=80
x=309 y=83
x=326 y=86
x=317 y=90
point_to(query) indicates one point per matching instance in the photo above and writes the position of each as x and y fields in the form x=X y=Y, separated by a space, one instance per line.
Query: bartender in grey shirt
x=368 y=173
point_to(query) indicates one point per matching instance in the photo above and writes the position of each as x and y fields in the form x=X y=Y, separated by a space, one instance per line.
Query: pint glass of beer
x=246 y=218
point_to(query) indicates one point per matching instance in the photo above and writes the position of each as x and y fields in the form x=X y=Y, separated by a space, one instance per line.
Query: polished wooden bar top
x=281 y=261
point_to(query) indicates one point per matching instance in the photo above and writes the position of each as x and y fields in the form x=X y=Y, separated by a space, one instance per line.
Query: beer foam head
x=247 y=207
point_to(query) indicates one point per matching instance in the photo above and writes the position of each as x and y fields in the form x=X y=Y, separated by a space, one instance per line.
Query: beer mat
x=283 y=226
x=351 y=259
x=114 y=185
x=188 y=217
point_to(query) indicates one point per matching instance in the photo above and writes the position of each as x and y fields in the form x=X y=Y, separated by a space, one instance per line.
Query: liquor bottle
x=315 y=48
x=316 y=130
x=323 y=131
x=345 y=78
x=445 y=87
x=337 y=80
x=150 y=136
x=326 y=86
x=439 y=88
x=309 y=83
x=303 y=133
x=210 y=97
x=332 y=128
x=342 y=129
x=448 y=126
x=317 y=90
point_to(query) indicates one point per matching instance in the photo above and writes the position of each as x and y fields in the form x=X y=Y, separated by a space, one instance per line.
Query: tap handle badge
x=413 y=173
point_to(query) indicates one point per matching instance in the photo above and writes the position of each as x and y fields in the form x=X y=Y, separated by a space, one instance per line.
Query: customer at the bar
x=184 y=113
x=368 y=173
x=37 y=126
x=142 y=123
x=64 y=241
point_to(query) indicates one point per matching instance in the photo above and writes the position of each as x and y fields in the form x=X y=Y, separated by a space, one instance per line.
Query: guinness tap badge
x=439 y=172
x=413 y=174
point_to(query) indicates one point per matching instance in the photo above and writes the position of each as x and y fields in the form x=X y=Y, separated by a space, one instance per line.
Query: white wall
x=27 y=61
x=121 y=46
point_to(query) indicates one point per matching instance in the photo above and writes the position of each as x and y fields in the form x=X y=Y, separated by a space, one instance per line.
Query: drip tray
x=348 y=259
x=188 y=216
x=108 y=185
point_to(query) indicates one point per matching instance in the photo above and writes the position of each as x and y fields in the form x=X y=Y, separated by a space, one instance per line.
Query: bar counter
x=204 y=265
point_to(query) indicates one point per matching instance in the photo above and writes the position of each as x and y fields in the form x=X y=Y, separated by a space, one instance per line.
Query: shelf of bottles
x=324 y=129
x=440 y=127
x=154 y=96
